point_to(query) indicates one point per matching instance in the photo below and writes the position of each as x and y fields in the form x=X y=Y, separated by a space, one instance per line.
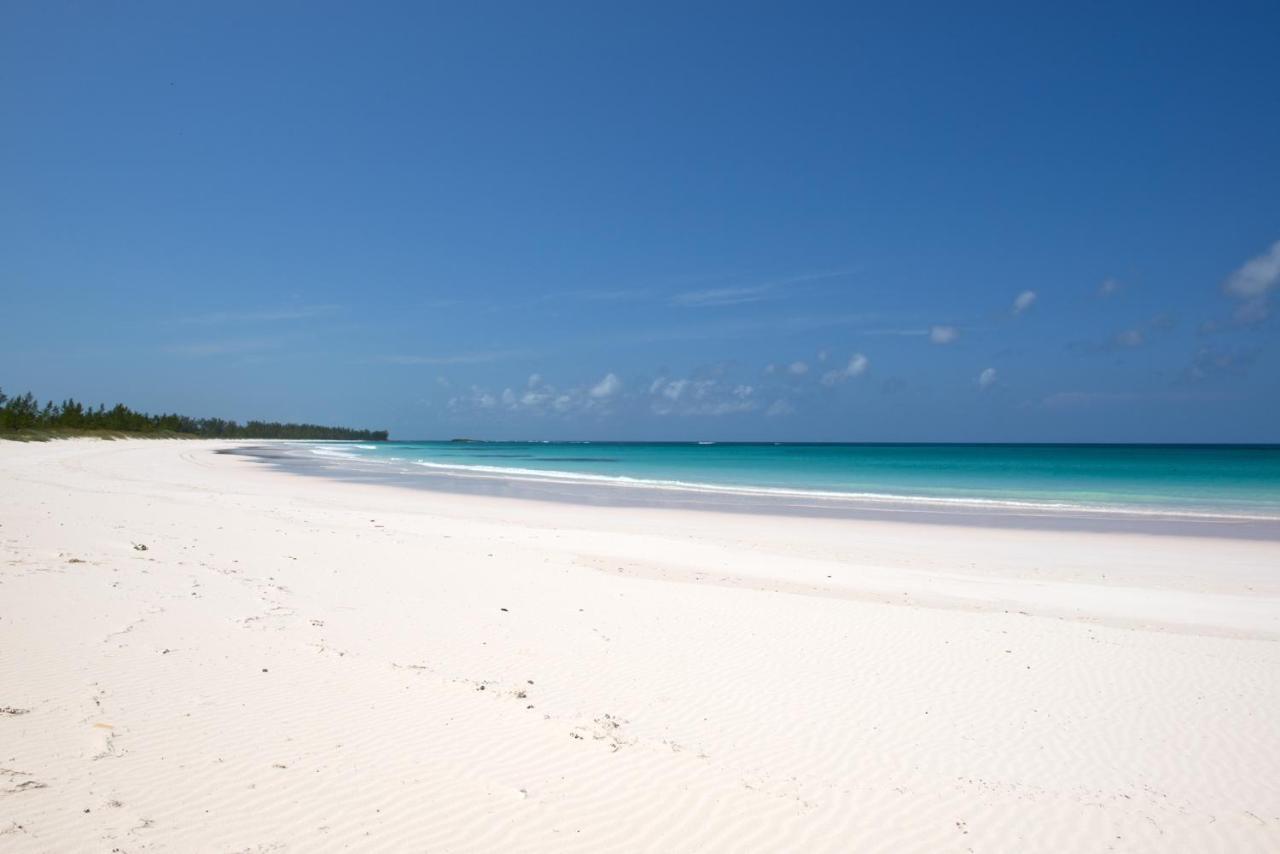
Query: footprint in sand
x=102 y=741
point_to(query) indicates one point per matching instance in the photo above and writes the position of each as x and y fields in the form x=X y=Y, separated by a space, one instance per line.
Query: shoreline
x=765 y=502
x=297 y=662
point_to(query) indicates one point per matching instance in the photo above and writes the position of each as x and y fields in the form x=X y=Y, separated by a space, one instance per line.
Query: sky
x=746 y=221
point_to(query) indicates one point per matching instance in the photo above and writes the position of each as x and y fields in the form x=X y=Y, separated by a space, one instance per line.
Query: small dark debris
x=12 y=710
x=264 y=670
x=503 y=609
x=137 y=547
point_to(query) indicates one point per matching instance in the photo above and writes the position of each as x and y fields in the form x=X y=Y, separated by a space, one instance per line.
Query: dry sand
x=305 y=665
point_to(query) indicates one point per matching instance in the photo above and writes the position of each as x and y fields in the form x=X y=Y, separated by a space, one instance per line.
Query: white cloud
x=478 y=398
x=987 y=378
x=537 y=392
x=798 y=368
x=1252 y=285
x=822 y=355
x=1257 y=276
x=700 y=397
x=779 y=407
x=943 y=334
x=535 y=398
x=539 y=397
x=1023 y=301
x=674 y=389
x=857 y=366
x=607 y=387
x=1109 y=287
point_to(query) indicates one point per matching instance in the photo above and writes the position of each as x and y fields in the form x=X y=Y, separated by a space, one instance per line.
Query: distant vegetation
x=23 y=417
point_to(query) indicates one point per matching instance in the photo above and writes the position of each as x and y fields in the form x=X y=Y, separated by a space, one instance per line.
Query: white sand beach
x=198 y=653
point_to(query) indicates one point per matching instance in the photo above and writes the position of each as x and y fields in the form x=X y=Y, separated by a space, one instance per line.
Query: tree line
x=24 y=412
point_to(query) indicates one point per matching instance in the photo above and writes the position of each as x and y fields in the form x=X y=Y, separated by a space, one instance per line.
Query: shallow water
x=1228 y=481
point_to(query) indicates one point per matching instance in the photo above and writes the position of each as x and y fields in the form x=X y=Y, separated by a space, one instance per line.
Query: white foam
x=565 y=477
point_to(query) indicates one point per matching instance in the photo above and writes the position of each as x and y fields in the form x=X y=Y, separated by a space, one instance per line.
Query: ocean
x=1236 y=481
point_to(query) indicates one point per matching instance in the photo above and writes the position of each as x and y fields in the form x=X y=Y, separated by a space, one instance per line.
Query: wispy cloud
x=542 y=399
x=1023 y=301
x=262 y=315
x=1210 y=363
x=738 y=295
x=1257 y=276
x=939 y=333
x=742 y=327
x=1251 y=285
x=475 y=398
x=706 y=397
x=857 y=366
x=607 y=387
x=473 y=358
x=943 y=334
x=228 y=346
x=987 y=379
x=721 y=296
x=907 y=332
x=1081 y=399
x=600 y=295
x=1108 y=288
x=1128 y=339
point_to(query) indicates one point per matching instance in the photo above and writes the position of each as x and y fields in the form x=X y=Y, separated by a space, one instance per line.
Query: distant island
x=23 y=418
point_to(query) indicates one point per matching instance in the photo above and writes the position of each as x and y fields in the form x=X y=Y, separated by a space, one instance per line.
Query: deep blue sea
x=1233 y=480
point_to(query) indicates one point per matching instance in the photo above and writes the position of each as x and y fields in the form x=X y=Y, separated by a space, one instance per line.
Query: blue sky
x=667 y=221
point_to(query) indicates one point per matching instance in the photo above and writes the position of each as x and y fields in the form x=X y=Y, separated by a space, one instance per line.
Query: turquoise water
x=1209 y=479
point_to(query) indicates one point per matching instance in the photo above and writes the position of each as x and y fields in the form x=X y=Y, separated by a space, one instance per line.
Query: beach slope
x=200 y=653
